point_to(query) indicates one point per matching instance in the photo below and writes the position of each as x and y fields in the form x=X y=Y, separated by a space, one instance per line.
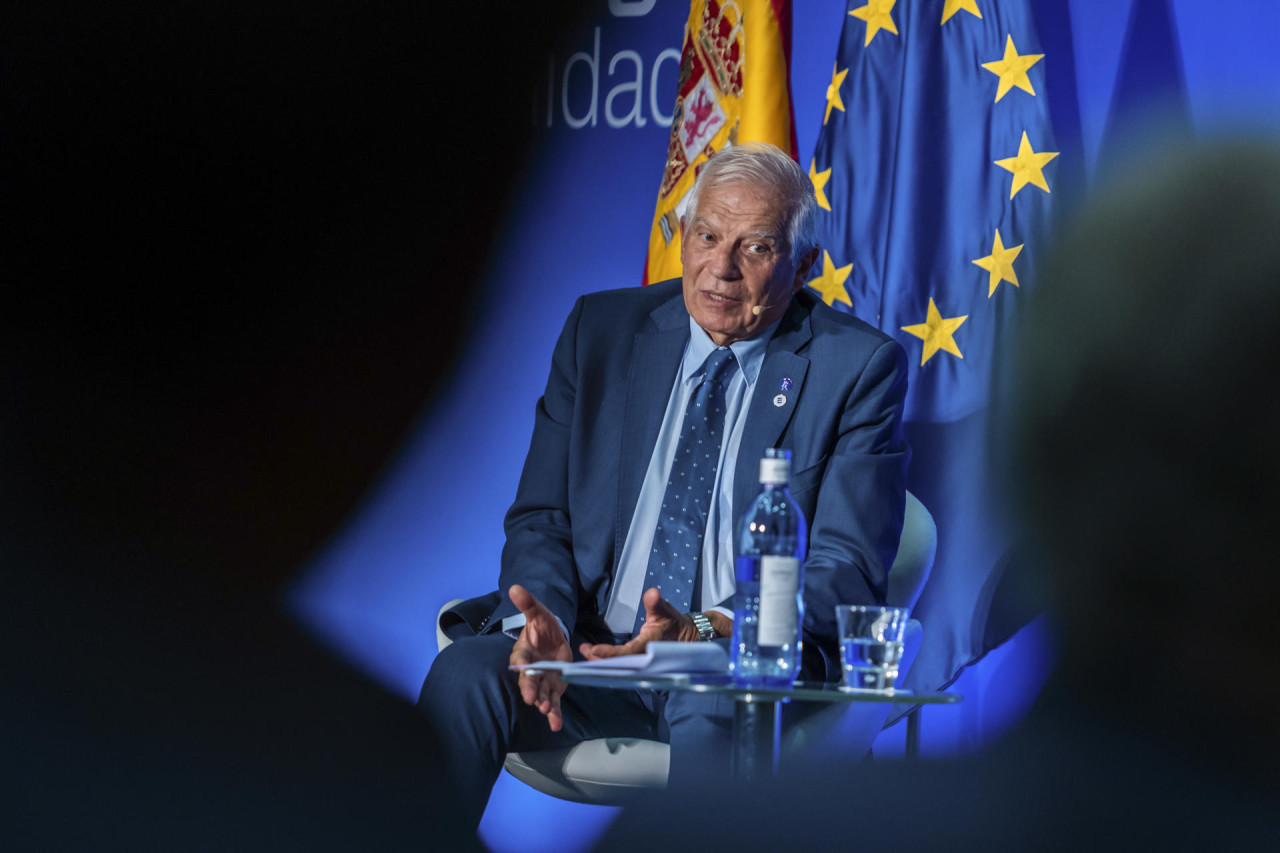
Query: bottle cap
x=775 y=466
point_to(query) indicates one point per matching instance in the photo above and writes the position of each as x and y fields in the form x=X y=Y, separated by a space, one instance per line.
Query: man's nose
x=724 y=263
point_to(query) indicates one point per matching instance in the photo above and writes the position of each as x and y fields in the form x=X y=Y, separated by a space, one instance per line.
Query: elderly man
x=629 y=377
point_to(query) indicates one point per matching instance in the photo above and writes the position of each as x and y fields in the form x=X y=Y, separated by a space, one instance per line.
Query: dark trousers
x=474 y=702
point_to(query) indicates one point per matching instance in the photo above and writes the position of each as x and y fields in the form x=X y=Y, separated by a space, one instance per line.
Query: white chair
x=608 y=771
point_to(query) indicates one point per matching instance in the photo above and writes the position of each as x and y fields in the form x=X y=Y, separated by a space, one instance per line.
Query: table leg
x=757 y=732
x=913 y=733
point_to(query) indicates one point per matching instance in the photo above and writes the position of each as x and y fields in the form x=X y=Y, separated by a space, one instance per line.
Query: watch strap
x=700 y=621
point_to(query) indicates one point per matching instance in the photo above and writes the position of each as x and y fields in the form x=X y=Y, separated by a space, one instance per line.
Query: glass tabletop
x=723 y=684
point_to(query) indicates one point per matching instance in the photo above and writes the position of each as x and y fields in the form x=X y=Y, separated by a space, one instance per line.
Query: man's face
x=736 y=257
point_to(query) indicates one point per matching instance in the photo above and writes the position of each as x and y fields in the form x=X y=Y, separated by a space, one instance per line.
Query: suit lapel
x=656 y=357
x=765 y=418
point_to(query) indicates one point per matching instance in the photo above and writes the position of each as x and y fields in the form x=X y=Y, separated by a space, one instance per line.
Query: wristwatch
x=703 y=624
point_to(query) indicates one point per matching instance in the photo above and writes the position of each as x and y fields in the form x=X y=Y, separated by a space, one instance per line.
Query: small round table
x=757 y=721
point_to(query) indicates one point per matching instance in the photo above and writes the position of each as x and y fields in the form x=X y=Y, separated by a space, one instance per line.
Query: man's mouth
x=717 y=297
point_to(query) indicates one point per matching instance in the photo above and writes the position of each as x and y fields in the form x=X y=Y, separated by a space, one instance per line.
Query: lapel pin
x=780 y=401
x=786 y=384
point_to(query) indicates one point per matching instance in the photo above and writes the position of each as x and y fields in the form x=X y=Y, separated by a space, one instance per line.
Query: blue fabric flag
x=935 y=167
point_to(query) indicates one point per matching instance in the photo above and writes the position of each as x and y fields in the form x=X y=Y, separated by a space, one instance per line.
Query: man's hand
x=541 y=639
x=661 y=622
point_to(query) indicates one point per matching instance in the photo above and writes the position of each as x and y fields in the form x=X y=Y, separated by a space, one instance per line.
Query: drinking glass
x=870 y=645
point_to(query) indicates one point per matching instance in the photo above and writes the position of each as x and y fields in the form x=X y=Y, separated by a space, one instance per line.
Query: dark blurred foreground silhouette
x=240 y=252
x=1144 y=462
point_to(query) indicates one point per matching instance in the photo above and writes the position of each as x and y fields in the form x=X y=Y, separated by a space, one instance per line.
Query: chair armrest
x=442 y=639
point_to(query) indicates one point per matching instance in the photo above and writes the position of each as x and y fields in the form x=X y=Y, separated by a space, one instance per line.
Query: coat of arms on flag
x=733 y=87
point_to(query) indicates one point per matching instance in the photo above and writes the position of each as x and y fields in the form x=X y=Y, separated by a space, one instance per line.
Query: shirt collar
x=749 y=353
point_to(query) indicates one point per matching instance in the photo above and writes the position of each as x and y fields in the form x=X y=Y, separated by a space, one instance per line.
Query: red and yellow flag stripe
x=735 y=86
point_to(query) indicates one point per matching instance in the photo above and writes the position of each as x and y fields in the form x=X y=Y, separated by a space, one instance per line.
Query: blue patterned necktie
x=677 y=540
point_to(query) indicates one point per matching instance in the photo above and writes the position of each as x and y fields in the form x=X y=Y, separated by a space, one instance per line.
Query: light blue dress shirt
x=717 y=544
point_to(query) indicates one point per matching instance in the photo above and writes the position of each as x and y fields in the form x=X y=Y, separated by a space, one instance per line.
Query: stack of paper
x=661 y=657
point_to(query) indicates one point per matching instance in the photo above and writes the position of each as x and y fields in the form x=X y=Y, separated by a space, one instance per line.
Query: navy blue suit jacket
x=598 y=421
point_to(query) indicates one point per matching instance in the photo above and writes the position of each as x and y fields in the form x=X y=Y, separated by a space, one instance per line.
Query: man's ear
x=807 y=260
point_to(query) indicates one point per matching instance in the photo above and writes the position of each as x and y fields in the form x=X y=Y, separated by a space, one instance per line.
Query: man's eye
x=758 y=248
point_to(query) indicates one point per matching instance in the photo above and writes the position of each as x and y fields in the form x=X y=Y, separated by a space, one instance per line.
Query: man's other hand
x=542 y=638
x=661 y=622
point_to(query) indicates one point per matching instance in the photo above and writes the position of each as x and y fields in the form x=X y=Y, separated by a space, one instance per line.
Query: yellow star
x=833 y=91
x=1000 y=264
x=1027 y=166
x=876 y=14
x=936 y=332
x=950 y=7
x=831 y=283
x=1012 y=70
x=819 y=182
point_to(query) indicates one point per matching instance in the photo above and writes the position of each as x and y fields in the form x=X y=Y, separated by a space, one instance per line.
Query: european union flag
x=935 y=170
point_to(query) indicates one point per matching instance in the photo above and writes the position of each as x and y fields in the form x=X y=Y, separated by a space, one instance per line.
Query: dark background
x=240 y=245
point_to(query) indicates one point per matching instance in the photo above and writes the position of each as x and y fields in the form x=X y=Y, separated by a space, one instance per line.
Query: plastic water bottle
x=768 y=605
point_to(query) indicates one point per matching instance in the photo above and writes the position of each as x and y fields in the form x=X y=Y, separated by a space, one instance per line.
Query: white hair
x=756 y=164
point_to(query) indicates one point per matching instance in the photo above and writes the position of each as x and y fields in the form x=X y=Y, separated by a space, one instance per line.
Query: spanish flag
x=735 y=86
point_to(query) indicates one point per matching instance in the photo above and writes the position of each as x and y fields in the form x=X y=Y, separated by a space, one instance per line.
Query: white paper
x=659 y=657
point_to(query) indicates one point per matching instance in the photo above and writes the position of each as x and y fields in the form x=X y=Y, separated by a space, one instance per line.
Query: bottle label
x=779 y=583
